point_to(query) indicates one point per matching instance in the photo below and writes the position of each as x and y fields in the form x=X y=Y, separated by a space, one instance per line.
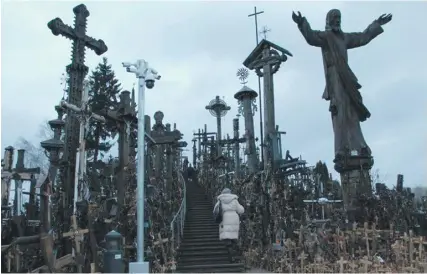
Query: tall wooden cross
x=77 y=72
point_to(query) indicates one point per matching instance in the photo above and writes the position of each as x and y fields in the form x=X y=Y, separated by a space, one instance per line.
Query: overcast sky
x=198 y=46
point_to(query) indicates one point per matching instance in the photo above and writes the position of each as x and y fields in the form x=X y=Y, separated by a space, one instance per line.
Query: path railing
x=177 y=224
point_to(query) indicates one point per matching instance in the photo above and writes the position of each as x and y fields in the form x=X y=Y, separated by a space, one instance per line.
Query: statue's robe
x=342 y=87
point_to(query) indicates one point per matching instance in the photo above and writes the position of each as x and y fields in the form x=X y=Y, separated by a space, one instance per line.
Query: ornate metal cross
x=264 y=31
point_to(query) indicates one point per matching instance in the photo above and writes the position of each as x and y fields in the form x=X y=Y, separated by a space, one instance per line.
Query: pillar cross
x=77 y=72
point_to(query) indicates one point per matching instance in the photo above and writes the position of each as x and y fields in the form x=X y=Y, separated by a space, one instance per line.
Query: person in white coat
x=230 y=225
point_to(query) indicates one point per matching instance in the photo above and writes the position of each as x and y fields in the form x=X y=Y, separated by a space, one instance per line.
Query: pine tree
x=103 y=95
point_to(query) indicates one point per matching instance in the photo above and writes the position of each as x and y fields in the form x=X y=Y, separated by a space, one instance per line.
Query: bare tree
x=34 y=154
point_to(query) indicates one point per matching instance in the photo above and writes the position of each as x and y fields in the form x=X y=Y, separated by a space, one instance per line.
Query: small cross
x=264 y=31
x=342 y=262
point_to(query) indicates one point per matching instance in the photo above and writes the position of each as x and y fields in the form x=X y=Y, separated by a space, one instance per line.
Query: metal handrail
x=177 y=224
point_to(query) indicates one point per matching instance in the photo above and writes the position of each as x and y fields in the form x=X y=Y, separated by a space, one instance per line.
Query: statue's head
x=333 y=20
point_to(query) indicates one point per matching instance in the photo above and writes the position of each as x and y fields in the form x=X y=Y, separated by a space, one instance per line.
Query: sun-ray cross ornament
x=264 y=31
x=242 y=74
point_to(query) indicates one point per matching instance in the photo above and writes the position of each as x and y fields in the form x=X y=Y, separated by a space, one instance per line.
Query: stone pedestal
x=355 y=178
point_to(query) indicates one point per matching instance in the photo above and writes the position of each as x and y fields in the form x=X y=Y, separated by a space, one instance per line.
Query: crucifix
x=77 y=72
x=125 y=117
x=81 y=188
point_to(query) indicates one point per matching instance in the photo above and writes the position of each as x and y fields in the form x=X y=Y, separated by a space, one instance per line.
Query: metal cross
x=255 y=14
x=264 y=31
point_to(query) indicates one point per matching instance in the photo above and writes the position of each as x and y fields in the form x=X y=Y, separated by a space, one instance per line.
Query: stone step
x=195 y=226
x=201 y=236
x=188 y=248
x=202 y=240
x=200 y=209
x=202 y=253
x=201 y=230
x=202 y=243
x=193 y=221
x=217 y=259
x=213 y=268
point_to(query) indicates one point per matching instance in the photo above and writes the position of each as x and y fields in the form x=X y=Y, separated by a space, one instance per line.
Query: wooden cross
x=85 y=116
x=76 y=71
x=302 y=257
x=160 y=242
x=77 y=234
x=365 y=226
x=341 y=262
x=78 y=34
x=365 y=263
x=19 y=174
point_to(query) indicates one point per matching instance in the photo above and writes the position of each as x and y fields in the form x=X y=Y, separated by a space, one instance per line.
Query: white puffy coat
x=231 y=209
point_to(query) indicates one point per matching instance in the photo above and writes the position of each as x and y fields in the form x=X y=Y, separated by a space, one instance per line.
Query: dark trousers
x=233 y=249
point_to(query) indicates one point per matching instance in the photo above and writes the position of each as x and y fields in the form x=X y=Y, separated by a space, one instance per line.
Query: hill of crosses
x=83 y=211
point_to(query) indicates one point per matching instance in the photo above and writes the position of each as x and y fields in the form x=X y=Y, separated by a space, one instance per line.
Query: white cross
x=84 y=116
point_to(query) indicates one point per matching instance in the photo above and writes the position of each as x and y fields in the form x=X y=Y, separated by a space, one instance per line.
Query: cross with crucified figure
x=84 y=115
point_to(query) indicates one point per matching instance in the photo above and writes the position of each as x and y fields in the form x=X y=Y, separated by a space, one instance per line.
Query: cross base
x=139 y=267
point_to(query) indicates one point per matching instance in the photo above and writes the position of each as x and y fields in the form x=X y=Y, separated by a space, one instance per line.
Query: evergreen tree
x=103 y=95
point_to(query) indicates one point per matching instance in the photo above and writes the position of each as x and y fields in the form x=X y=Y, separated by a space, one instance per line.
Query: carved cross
x=78 y=34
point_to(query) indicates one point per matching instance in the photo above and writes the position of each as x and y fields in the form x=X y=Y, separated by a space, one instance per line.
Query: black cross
x=78 y=34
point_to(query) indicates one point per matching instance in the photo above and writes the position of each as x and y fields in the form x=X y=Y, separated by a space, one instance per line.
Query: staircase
x=201 y=251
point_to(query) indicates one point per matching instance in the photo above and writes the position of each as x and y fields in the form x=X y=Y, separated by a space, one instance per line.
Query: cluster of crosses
x=65 y=208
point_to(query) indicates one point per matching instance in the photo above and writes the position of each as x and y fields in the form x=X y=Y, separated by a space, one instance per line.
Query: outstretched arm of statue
x=360 y=39
x=313 y=37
